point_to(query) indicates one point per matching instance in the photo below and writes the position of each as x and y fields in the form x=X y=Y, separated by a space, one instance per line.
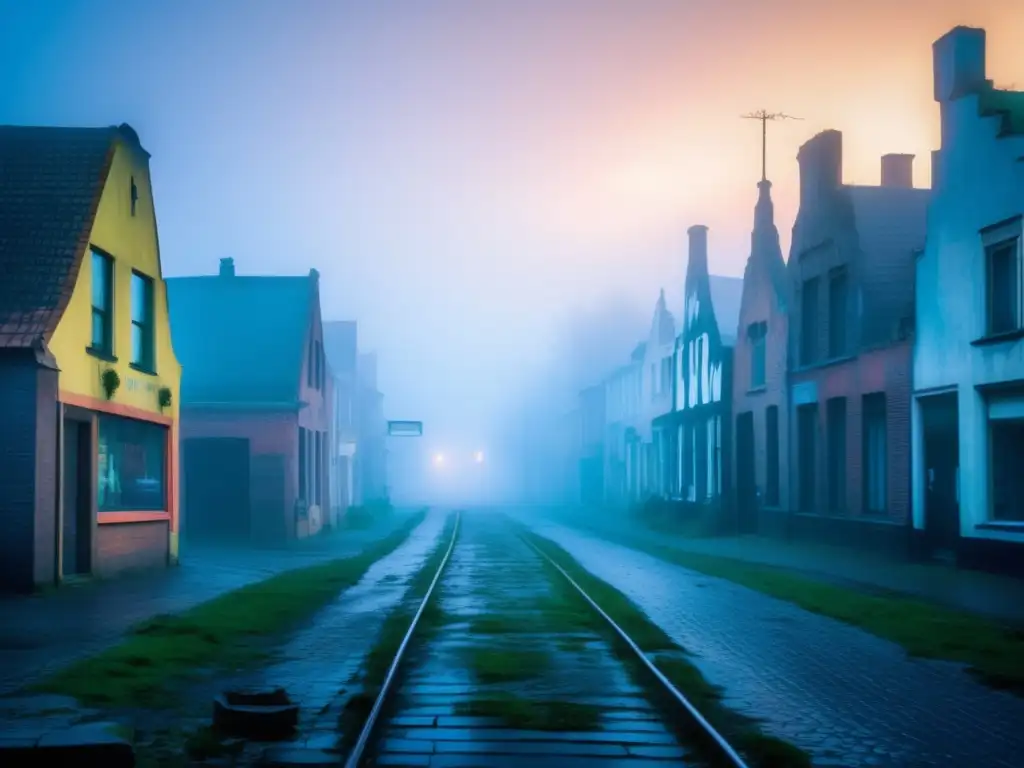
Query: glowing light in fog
x=439 y=459
x=478 y=457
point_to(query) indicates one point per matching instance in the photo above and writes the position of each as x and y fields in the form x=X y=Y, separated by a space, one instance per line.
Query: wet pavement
x=846 y=697
x=40 y=634
x=437 y=716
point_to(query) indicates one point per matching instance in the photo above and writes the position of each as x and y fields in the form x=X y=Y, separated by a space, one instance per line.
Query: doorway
x=216 y=492
x=746 y=481
x=940 y=428
x=807 y=459
x=76 y=536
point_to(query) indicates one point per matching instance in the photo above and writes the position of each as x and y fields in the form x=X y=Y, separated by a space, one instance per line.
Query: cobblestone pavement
x=1001 y=597
x=40 y=634
x=493 y=575
x=847 y=697
x=314 y=663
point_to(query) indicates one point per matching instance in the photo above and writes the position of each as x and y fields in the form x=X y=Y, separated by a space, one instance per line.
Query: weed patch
x=761 y=750
x=507 y=665
x=533 y=715
x=230 y=632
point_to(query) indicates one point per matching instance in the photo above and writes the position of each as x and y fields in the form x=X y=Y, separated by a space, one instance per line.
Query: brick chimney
x=898 y=171
x=698 y=257
x=821 y=164
x=227 y=267
x=958 y=63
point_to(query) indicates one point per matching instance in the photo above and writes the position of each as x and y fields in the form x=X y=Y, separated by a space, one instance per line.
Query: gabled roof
x=726 y=299
x=240 y=339
x=51 y=180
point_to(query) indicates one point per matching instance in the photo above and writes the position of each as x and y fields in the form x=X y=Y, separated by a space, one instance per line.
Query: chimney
x=898 y=171
x=227 y=267
x=821 y=164
x=958 y=63
x=698 y=258
x=314 y=275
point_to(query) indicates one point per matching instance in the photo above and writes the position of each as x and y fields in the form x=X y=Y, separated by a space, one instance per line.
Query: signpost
x=405 y=429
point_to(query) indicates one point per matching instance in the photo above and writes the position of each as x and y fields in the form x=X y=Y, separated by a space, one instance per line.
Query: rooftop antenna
x=764 y=116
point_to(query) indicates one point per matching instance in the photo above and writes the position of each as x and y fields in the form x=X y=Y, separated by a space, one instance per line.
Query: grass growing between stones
x=507 y=665
x=229 y=631
x=532 y=715
x=760 y=749
x=994 y=653
x=378 y=661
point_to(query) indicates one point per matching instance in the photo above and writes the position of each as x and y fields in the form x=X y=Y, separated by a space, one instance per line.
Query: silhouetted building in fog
x=591 y=461
x=622 y=415
x=371 y=479
x=851 y=271
x=341 y=344
x=760 y=390
x=968 y=415
x=256 y=405
x=655 y=400
x=696 y=433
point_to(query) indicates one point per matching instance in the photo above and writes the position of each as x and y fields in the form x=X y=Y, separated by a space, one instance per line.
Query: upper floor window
x=142 y=322
x=838 y=297
x=757 y=333
x=102 y=302
x=1005 y=289
x=809 y=322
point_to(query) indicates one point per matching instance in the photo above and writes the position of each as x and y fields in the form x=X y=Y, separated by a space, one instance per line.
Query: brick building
x=852 y=274
x=759 y=384
x=255 y=405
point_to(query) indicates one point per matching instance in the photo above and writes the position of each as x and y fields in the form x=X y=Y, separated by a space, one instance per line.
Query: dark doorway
x=807 y=467
x=216 y=489
x=76 y=544
x=746 y=481
x=940 y=428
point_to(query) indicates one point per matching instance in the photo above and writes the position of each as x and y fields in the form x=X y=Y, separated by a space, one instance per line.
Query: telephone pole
x=764 y=116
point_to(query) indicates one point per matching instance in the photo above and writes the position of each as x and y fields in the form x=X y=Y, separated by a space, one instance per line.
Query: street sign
x=405 y=428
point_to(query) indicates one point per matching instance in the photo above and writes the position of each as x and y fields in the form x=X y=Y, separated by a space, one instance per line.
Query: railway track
x=516 y=665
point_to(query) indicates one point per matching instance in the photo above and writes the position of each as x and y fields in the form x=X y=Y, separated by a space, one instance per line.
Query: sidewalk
x=39 y=634
x=973 y=591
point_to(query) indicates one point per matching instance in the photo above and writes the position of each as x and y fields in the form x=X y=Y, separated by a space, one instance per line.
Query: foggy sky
x=473 y=177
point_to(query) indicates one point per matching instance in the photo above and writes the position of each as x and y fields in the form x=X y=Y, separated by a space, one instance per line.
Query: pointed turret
x=765 y=250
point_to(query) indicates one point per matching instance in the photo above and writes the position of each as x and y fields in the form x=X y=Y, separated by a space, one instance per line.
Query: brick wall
x=760 y=304
x=130 y=546
x=18 y=382
x=886 y=370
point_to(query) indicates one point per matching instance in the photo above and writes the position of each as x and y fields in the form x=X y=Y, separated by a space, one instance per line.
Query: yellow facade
x=132 y=243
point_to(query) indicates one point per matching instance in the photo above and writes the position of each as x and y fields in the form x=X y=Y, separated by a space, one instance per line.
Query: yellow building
x=89 y=381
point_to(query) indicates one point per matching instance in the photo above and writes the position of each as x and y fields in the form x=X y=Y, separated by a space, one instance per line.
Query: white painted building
x=968 y=414
x=656 y=399
x=623 y=397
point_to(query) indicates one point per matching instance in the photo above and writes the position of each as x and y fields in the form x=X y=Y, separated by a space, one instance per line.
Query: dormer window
x=134 y=194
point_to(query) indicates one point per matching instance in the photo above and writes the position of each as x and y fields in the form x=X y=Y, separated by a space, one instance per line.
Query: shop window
x=131 y=465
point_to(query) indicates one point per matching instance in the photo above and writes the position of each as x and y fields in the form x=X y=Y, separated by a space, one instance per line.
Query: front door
x=76 y=540
x=746 y=482
x=941 y=467
x=216 y=489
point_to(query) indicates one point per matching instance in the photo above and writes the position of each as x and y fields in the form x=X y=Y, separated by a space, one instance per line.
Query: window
x=809 y=322
x=142 y=322
x=807 y=434
x=875 y=459
x=130 y=465
x=771 y=494
x=303 y=469
x=837 y=312
x=836 y=426
x=757 y=333
x=319 y=457
x=1005 y=287
x=1007 y=452
x=102 y=302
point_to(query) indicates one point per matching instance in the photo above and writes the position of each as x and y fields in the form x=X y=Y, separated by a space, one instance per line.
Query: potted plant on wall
x=111 y=381
x=164 y=397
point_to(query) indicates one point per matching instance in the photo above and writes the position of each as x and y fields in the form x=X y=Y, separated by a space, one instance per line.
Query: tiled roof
x=50 y=185
x=240 y=339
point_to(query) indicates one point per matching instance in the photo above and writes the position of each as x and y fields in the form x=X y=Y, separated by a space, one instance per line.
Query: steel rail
x=355 y=757
x=721 y=745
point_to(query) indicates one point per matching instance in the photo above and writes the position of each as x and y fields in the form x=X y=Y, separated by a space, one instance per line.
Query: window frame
x=147 y=326
x=106 y=313
x=809 y=320
x=1011 y=243
x=757 y=333
x=106 y=420
x=838 y=340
